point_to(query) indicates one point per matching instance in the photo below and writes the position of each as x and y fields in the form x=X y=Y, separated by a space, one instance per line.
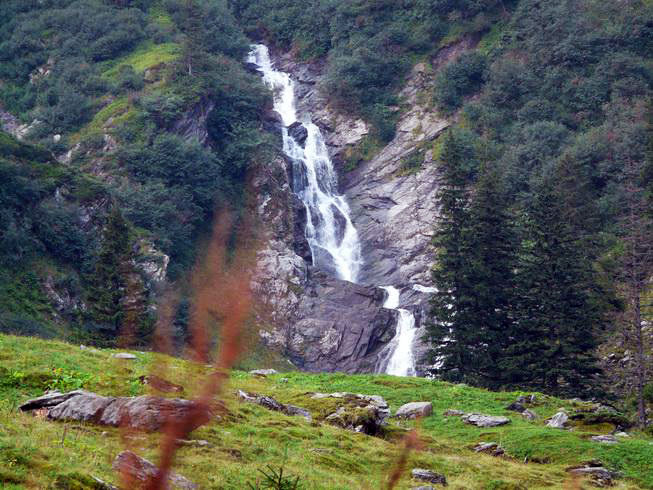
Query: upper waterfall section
x=330 y=233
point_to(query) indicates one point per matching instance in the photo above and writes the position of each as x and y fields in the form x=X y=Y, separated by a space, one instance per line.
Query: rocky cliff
x=322 y=323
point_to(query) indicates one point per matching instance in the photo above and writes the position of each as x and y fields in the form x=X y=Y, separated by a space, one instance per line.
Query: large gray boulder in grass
x=272 y=404
x=141 y=472
x=414 y=410
x=148 y=413
x=356 y=412
x=558 y=421
x=480 y=420
x=428 y=476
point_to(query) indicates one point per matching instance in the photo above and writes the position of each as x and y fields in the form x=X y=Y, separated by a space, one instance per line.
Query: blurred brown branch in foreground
x=411 y=442
x=221 y=289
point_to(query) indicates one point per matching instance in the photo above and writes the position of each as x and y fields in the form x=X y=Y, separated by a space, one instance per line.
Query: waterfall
x=398 y=359
x=331 y=236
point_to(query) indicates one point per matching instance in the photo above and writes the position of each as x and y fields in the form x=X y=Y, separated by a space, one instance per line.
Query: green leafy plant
x=64 y=380
x=275 y=480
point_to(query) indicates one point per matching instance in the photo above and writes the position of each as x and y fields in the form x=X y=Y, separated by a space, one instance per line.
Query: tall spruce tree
x=636 y=270
x=109 y=281
x=493 y=249
x=454 y=343
x=475 y=262
x=559 y=311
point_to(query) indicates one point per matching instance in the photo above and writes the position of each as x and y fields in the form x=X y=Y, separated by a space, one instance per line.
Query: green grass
x=34 y=453
x=146 y=56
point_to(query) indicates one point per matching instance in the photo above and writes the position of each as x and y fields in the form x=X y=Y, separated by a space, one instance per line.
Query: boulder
x=489 y=447
x=148 y=413
x=160 y=384
x=415 y=410
x=124 y=355
x=263 y=372
x=605 y=439
x=516 y=407
x=558 y=421
x=272 y=404
x=298 y=132
x=600 y=476
x=453 y=413
x=480 y=420
x=141 y=470
x=428 y=476
x=529 y=414
x=193 y=443
x=359 y=413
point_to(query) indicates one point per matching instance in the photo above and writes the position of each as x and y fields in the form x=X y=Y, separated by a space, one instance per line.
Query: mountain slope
x=35 y=452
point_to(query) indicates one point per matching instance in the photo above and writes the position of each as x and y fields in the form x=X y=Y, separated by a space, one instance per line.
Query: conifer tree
x=454 y=344
x=493 y=256
x=636 y=271
x=109 y=279
x=559 y=310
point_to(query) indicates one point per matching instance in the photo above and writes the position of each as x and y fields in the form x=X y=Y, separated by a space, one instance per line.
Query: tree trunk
x=639 y=339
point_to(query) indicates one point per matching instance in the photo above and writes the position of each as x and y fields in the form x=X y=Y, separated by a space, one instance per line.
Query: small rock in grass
x=193 y=443
x=480 y=420
x=516 y=407
x=284 y=380
x=142 y=470
x=607 y=439
x=558 y=421
x=453 y=413
x=429 y=487
x=489 y=447
x=529 y=414
x=124 y=355
x=622 y=434
x=160 y=384
x=601 y=477
x=428 y=476
x=263 y=372
x=415 y=410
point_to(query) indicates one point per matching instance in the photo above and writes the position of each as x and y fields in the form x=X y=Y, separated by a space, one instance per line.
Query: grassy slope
x=32 y=454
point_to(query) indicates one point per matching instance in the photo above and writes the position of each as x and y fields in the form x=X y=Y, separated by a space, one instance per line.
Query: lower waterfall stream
x=330 y=233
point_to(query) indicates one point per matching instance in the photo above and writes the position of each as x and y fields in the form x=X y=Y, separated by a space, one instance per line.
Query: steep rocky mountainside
x=320 y=322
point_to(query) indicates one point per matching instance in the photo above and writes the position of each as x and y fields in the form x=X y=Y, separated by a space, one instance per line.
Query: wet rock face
x=298 y=132
x=341 y=326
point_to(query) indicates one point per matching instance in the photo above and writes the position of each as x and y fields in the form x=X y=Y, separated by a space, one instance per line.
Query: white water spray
x=399 y=360
x=329 y=231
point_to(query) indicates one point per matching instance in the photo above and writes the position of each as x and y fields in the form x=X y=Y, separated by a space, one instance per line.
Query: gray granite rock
x=480 y=420
x=558 y=421
x=415 y=410
x=428 y=476
x=142 y=470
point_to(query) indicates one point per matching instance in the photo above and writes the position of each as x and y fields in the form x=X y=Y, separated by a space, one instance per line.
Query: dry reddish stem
x=221 y=295
x=411 y=441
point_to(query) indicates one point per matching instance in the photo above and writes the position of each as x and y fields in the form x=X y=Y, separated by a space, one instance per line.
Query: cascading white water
x=329 y=231
x=400 y=361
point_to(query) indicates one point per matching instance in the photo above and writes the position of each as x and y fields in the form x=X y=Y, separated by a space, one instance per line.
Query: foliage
x=369 y=45
x=274 y=479
x=462 y=77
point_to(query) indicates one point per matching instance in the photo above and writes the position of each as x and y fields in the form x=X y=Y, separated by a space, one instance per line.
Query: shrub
x=462 y=77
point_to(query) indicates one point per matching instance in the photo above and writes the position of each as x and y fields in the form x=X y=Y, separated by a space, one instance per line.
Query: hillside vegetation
x=36 y=453
x=111 y=88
